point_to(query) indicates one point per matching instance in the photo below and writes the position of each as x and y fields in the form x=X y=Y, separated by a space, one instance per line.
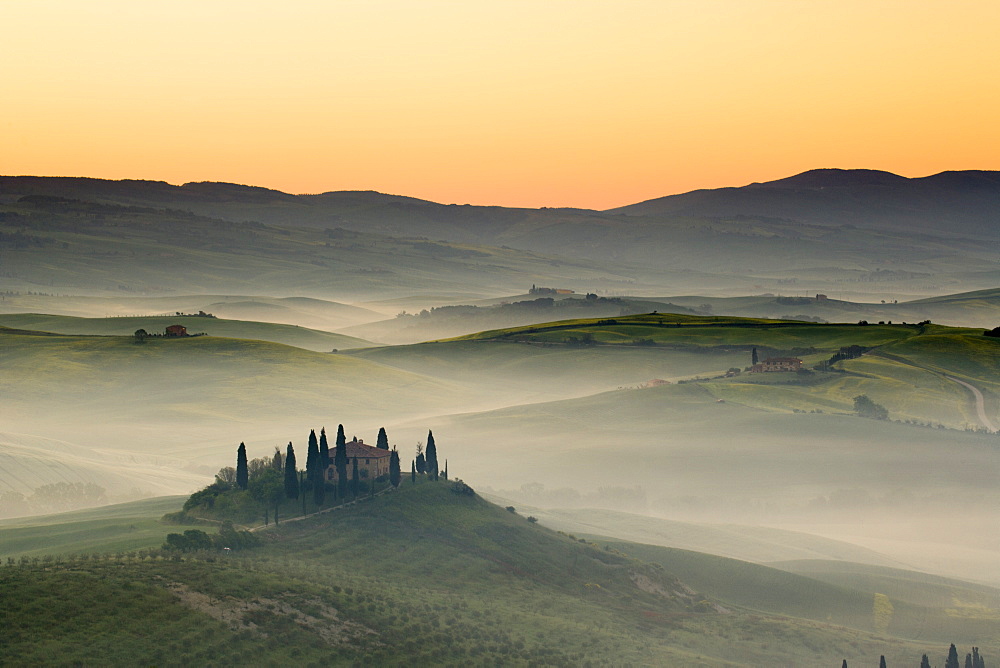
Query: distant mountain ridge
x=954 y=202
x=967 y=201
x=824 y=228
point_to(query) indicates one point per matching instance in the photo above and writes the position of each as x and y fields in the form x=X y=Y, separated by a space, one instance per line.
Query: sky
x=514 y=103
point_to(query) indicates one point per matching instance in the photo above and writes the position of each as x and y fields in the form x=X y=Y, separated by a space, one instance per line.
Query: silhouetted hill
x=825 y=229
x=963 y=203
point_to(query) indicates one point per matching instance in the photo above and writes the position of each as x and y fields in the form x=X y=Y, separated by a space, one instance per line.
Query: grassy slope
x=302 y=311
x=290 y=335
x=979 y=309
x=548 y=371
x=743 y=542
x=116 y=528
x=926 y=608
x=207 y=377
x=422 y=576
x=703 y=331
x=155 y=416
x=462 y=319
x=28 y=462
x=907 y=372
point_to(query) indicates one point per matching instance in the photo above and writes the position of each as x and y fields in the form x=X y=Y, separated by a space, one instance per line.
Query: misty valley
x=752 y=426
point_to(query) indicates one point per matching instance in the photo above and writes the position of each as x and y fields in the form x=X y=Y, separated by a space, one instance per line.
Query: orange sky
x=518 y=103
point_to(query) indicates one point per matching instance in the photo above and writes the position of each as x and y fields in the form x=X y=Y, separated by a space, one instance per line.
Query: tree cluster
x=196 y=539
x=865 y=407
x=241 y=492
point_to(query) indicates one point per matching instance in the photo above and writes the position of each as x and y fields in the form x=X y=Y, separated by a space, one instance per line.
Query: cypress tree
x=242 y=475
x=881 y=661
x=753 y=356
x=432 y=458
x=968 y=660
x=324 y=451
x=844 y=665
x=277 y=461
x=977 y=659
x=446 y=469
x=413 y=470
x=925 y=662
x=340 y=461
x=382 y=441
x=354 y=479
x=319 y=487
x=302 y=490
x=420 y=463
x=312 y=458
x=394 y=472
x=291 y=475
x=952 y=661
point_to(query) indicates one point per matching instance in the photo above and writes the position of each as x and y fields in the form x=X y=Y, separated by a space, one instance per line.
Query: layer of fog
x=509 y=418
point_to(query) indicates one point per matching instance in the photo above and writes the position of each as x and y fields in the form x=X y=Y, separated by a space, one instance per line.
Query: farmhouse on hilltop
x=772 y=364
x=176 y=330
x=372 y=462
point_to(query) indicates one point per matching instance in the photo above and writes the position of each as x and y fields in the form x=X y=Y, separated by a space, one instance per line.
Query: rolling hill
x=961 y=201
x=453 y=579
x=301 y=311
x=971 y=309
x=290 y=335
x=857 y=233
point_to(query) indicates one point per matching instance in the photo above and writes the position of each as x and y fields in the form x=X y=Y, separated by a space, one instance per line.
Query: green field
x=289 y=335
x=925 y=608
x=704 y=332
x=426 y=576
x=123 y=527
x=199 y=377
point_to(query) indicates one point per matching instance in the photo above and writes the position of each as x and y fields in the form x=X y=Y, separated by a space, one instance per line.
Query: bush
x=459 y=487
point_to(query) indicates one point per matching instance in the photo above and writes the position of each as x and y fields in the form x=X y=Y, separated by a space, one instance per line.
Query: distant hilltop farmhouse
x=372 y=462
x=772 y=364
x=549 y=291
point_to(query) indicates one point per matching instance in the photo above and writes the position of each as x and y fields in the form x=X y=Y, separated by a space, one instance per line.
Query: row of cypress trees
x=318 y=461
x=972 y=660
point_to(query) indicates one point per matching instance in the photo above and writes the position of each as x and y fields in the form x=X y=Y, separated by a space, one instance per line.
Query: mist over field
x=600 y=371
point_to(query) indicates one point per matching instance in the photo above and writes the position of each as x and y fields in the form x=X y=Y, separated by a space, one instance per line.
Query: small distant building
x=773 y=364
x=821 y=298
x=176 y=330
x=372 y=462
x=657 y=382
x=535 y=290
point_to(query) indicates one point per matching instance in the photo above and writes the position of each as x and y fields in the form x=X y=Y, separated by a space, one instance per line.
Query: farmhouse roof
x=362 y=449
x=781 y=360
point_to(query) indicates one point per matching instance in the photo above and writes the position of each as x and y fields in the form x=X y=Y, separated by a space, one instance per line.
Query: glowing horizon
x=585 y=104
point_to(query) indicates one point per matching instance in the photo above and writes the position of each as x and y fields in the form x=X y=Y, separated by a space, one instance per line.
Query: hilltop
x=290 y=335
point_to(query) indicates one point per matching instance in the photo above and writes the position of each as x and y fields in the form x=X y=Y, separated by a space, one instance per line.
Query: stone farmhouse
x=772 y=364
x=372 y=462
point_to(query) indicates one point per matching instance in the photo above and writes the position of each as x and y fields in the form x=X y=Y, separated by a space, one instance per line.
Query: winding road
x=980 y=403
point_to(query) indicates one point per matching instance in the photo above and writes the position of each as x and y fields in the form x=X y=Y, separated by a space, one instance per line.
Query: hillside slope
x=289 y=335
x=419 y=576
